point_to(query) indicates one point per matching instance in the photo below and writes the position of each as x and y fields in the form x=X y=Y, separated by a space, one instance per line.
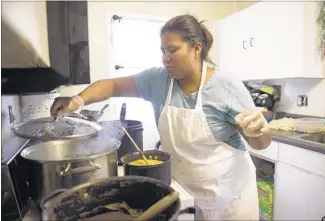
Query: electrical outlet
x=302 y=101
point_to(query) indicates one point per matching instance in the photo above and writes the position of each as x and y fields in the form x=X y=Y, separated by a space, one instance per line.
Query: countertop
x=292 y=138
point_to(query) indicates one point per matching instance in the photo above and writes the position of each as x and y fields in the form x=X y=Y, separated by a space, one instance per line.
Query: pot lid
x=48 y=128
x=107 y=140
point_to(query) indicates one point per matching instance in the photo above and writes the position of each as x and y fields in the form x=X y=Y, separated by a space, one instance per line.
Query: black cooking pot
x=161 y=171
x=87 y=201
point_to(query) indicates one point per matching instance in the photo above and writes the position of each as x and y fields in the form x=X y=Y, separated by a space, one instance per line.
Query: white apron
x=221 y=179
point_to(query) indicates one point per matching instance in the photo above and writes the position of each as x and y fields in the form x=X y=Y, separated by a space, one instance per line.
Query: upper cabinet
x=44 y=45
x=271 y=40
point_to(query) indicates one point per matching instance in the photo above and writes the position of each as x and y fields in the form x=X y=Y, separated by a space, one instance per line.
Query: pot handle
x=86 y=169
x=188 y=210
x=158 y=145
x=50 y=196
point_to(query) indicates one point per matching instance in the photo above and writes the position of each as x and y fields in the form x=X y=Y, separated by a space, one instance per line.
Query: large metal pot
x=87 y=201
x=67 y=163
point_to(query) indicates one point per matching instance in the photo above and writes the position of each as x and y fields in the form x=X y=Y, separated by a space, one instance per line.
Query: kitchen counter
x=293 y=138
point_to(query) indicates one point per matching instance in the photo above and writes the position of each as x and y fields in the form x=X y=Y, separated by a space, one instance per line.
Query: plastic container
x=310 y=125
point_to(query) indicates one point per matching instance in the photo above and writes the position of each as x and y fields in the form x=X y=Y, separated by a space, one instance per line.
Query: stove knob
x=5 y=194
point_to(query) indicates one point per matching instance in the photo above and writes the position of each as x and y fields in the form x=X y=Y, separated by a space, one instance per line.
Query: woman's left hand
x=253 y=123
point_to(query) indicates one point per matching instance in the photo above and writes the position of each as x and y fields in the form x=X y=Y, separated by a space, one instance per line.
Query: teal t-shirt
x=223 y=97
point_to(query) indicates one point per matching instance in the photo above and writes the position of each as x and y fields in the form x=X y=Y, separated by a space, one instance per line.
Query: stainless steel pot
x=67 y=163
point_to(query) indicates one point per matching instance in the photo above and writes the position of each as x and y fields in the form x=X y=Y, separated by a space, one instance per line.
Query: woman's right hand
x=63 y=105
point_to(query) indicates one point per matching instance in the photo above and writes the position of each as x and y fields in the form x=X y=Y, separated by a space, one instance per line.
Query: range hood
x=44 y=45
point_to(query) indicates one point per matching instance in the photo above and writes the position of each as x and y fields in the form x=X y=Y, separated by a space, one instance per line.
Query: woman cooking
x=205 y=120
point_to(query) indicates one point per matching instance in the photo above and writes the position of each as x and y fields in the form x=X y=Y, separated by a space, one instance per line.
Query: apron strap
x=199 y=94
x=170 y=90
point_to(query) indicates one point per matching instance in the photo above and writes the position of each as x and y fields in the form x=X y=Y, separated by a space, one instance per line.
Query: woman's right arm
x=96 y=92
x=103 y=89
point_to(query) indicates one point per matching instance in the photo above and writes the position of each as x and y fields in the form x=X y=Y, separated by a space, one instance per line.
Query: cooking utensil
x=104 y=108
x=135 y=130
x=160 y=171
x=89 y=200
x=122 y=119
x=93 y=115
x=159 y=206
x=136 y=146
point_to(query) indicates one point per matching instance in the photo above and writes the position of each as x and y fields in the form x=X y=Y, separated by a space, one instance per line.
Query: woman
x=202 y=115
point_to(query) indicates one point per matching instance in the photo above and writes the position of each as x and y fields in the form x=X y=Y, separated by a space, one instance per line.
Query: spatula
x=122 y=119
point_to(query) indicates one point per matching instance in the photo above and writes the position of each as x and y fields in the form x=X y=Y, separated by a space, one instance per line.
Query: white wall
x=291 y=88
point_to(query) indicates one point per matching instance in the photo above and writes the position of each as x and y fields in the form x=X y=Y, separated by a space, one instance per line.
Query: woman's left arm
x=242 y=112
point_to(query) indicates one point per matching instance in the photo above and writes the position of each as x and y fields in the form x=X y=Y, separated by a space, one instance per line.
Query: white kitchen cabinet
x=271 y=40
x=299 y=195
x=302 y=158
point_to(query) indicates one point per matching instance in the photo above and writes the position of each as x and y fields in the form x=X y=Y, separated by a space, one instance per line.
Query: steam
x=109 y=138
x=111 y=129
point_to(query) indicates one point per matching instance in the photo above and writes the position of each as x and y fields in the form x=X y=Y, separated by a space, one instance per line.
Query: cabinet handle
x=118 y=67
x=251 y=42
x=244 y=46
x=323 y=219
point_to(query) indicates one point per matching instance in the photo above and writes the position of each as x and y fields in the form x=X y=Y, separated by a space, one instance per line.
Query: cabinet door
x=299 y=195
x=278 y=38
x=233 y=47
x=250 y=69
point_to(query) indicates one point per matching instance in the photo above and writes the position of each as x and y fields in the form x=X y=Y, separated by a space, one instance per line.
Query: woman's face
x=179 y=58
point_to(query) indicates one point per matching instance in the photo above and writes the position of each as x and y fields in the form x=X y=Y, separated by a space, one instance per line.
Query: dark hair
x=192 y=32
